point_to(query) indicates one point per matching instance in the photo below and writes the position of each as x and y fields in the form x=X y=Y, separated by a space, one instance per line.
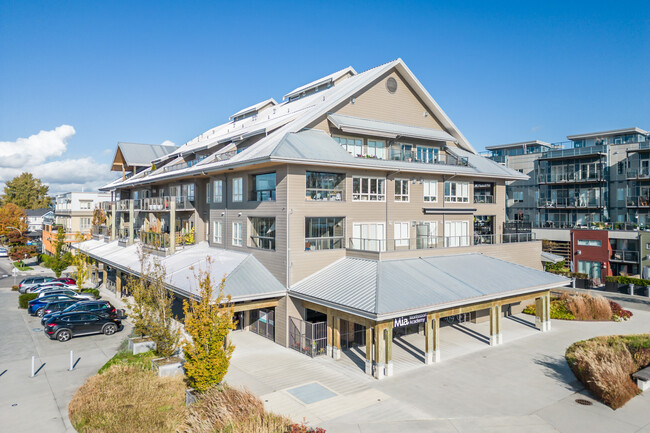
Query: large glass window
x=324 y=233
x=377 y=149
x=590 y=268
x=457 y=192
x=237 y=235
x=431 y=191
x=353 y=146
x=324 y=186
x=401 y=231
x=427 y=154
x=264 y=187
x=238 y=189
x=262 y=233
x=217 y=232
x=368 y=188
x=456 y=233
x=401 y=190
x=589 y=243
x=217 y=191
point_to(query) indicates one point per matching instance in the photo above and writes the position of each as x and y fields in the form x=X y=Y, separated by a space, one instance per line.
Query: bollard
x=33 y=365
x=71 y=361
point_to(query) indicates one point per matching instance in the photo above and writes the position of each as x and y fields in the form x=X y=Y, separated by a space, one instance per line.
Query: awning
x=551 y=258
x=357 y=125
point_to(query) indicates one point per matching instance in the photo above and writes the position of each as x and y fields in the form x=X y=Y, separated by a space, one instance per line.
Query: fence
x=307 y=338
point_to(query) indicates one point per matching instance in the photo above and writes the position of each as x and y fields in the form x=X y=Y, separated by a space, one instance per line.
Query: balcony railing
x=570 y=177
x=122 y=236
x=575 y=151
x=636 y=173
x=484 y=198
x=319 y=194
x=161 y=241
x=427 y=242
x=155 y=203
x=638 y=201
x=412 y=156
x=263 y=242
x=263 y=195
x=625 y=256
x=570 y=203
x=100 y=231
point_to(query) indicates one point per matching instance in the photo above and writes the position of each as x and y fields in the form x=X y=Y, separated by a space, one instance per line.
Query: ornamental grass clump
x=587 y=307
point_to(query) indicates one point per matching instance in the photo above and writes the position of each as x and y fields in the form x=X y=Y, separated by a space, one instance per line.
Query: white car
x=4 y=252
x=67 y=292
x=50 y=286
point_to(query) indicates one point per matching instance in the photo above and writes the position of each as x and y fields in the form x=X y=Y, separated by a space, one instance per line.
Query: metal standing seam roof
x=395 y=287
x=137 y=154
x=246 y=277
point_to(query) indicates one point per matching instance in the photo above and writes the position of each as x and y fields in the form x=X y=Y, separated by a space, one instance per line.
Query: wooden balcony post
x=368 y=349
x=131 y=221
x=172 y=225
x=114 y=220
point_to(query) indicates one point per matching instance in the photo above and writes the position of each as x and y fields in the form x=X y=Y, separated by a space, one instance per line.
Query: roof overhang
x=634 y=130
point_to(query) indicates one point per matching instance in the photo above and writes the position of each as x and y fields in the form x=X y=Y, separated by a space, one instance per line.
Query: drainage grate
x=583 y=402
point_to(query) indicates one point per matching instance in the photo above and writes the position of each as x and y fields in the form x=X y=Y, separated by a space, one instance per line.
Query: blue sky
x=155 y=71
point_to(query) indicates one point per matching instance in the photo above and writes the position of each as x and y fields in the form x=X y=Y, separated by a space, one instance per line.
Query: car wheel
x=63 y=335
x=40 y=312
x=110 y=329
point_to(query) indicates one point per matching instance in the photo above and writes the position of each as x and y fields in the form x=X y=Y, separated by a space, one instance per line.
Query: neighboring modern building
x=597 y=180
x=74 y=210
x=351 y=212
x=37 y=217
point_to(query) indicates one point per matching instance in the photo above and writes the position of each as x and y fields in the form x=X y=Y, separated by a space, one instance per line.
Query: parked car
x=4 y=252
x=67 y=325
x=67 y=292
x=54 y=307
x=103 y=308
x=66 y=280
x=35 y=305
x=50 y=285
x=32 y=281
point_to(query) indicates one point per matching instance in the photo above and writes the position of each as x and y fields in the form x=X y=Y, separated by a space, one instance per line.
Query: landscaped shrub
x=126 y=357
x=128 y=399
x=618 y=313
x=558 y=310
x=23 y=300
x=605 y=365
x=95 y=292
x=225 y=409
x=587 y=307
x=14 y=288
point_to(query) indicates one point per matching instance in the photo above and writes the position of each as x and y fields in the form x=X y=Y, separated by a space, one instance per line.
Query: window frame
x=400 y=197
x=379 y=196
x=238 y=189
x=257 y=241
x=217 y=191
x=237 y=241
x=455 y=197
x=428 y=198
x=217 y=233
x=404 y=228
x=317 y=242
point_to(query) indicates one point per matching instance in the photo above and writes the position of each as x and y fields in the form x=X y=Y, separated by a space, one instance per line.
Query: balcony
x=638 y=174
x=100 y=232
x=123 y=237
x=624 y=256
x=575 y=177
x=576 y=152
x=570 y=203
x=160 y=242
x=432 y=242
x=156 y=204
x=263 y=242
x=484 y=199
x=426 y=158
x=638 y=201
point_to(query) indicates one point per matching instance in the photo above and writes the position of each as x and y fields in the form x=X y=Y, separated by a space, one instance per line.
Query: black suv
x=68 y=325
x=102 y=308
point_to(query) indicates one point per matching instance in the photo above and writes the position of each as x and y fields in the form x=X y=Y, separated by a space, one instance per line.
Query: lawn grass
x=605 y=365
x=125 y=357
x=21 y=267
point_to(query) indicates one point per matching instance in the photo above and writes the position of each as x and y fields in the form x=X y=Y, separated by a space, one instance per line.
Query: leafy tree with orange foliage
x=12 y=215
x=208 y=322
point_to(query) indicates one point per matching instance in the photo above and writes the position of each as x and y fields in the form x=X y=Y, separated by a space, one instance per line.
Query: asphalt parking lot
x=40 y=403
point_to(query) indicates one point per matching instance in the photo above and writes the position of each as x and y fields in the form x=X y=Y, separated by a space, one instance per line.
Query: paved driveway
x=523 y=385
x=40 y=404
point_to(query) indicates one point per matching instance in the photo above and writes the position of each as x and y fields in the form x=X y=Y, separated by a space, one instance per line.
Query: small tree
x=99 y=217
x=208 y=322
x=61 y=259
x=82 y=264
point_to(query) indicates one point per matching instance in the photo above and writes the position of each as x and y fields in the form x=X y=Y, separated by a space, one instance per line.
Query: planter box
x=141 y=345
x=581 y=283
x=190 y=396
x=172 y=366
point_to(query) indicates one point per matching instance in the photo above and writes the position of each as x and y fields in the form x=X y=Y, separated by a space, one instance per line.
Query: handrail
x=427 y=242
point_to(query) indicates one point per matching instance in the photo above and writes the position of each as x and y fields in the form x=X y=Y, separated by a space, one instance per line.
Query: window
x=377 y=149
x=368 y=237
x=85 y=204
x=188 y=191
x=216 y=233
x=427 y=154
x=85 y=223
x=324 y=186
x=263 y=233
x=620 y=194
x=217 y=191
x=401 y=234
x=368 y=188
x=264 y=187
x=237 y=239
x=427 y=234
x=456 y=233
x=590 y=268
x=325 y=233
x=401 y=190
x=457 y=192
x=237 y=189
x=621 y=167
x=353 y=146
x=431 y=191
x=207 y=193
x=518 y=196
x=589 y=243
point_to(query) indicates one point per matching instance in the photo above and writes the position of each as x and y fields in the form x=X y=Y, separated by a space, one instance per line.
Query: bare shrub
x=222 y=408
x=587 y=307
x=128 y=399
x=604 y=366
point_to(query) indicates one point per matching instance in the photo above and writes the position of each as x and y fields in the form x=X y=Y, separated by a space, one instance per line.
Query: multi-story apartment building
x=596 y=180
x=354 y=209
x=74 y=210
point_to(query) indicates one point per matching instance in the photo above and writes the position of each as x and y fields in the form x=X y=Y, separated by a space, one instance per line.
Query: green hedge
x=95 y=292
x=570 y=274
x=24 y=299
x=627 y=280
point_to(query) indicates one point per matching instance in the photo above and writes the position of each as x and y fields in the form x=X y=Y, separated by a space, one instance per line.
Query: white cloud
x=32 y=154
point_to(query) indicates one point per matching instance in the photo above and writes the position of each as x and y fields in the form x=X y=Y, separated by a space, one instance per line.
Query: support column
x=104 y=276
x=380 y=352
x=368 y=350
x=118 y=283
x=131 y=221
x=547 y=311
x=436 y=337
x=247 y=320
x=388 y=336
x=330 y=332
x=493 y=326
x=498 y=324
x=114 y=220
x=336 y=346
x=172 y=225
x=539 y=313
x=428 y=340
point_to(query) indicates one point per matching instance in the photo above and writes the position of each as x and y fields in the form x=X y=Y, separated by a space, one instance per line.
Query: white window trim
x=463 y=197
x=217 y=197
x=380 y=197
x=238 y=242
x=238 y=192
x=433 y=187
x=408 y=191
x=217 y=234
x=402 y=233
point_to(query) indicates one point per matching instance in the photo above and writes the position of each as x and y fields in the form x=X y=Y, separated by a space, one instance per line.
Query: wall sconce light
x=239 y=214
x=223 y=213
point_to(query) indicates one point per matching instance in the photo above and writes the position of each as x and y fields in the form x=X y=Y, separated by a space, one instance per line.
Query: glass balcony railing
x=570 y=177
x=638 y=201
x=575 y=151
x=625 y=256
x=263 y=195
x=570 y=203
x=427 y=242
x=484 y=198
x=426 y=158
x=638 y=173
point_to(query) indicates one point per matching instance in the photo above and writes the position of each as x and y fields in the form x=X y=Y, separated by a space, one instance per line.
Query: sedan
x=36 y=306
x=32 y=281
x=67 y=292
x=51 y=285
x=68 y=325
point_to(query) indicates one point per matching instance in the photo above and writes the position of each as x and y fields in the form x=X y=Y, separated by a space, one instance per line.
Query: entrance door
x=263 y=322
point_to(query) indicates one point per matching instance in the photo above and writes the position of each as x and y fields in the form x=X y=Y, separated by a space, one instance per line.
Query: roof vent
x=391 y=85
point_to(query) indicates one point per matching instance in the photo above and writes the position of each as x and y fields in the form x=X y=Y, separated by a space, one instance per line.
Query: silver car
x=67 y=292
x=50 y=285
x=31 y=282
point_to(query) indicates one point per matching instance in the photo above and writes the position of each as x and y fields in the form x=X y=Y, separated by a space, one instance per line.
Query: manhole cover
x=583 y=402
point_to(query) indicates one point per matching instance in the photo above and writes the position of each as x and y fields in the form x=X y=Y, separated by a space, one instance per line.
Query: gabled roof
x=38 y=212
x=391 y=288
x=254 y=108
x=358 y=125
x=141 y=155
x=320 y=82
